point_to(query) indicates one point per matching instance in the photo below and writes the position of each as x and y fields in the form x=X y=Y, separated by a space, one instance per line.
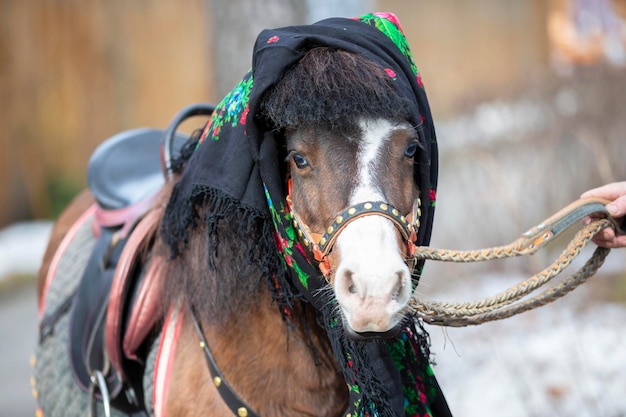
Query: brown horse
x=349 y=182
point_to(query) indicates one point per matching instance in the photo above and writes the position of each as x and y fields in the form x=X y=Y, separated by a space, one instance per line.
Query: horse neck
x=268 y=363
x=272 y=367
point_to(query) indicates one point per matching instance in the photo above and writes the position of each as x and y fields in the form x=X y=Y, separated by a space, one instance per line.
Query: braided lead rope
x=451 y=319
x=501 y=305
x=525 y=287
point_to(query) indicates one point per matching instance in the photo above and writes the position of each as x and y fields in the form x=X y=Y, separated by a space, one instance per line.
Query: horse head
x=350 y=154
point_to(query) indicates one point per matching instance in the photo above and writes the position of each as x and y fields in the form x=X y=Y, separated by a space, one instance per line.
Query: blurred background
x=529 y=104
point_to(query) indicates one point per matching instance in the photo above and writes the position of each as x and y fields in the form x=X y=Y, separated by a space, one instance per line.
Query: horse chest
x=272 y=375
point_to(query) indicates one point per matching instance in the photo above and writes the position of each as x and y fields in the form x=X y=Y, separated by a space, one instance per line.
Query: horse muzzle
x=373 y=266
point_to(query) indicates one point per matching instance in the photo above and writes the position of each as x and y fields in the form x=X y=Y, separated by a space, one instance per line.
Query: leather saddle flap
x=134 y=296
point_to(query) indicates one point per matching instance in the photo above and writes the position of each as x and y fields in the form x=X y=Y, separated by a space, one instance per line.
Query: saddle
x=113 y=312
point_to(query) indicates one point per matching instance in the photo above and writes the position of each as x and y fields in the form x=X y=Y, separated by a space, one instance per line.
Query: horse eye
x=411 y=149
x=300 y=161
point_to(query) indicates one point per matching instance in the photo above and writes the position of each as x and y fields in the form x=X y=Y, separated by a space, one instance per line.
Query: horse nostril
x=398 y=288
x=350 y=283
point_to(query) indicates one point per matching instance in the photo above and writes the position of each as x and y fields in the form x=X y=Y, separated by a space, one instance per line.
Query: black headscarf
x=235 y=174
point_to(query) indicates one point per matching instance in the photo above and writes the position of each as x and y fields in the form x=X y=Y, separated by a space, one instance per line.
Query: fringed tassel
x=377 y=371
x=370 y=393
x=185 y=211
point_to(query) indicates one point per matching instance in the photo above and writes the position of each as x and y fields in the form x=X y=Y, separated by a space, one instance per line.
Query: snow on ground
x=22 y=246
x=564 y=359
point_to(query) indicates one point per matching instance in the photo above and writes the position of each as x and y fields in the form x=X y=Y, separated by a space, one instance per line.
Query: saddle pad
x=57 y=392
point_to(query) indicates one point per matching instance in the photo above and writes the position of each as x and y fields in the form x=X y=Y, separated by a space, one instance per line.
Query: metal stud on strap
x=364 y=209
x=237 y=406
x=319 y=246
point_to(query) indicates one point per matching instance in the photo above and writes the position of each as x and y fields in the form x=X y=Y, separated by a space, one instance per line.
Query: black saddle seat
x=126 y=168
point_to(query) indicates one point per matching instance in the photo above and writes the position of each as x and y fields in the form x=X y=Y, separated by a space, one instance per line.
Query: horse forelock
x=332 y=88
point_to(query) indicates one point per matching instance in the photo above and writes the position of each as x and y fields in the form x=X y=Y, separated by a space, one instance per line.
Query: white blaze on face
x=372 y=283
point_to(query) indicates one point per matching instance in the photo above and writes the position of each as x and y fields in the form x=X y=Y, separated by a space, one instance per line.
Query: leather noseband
x=320 y=245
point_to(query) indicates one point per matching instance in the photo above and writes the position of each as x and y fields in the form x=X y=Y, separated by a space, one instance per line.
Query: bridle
x=320 y=245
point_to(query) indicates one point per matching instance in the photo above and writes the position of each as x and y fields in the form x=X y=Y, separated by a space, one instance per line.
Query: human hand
x=616 y=193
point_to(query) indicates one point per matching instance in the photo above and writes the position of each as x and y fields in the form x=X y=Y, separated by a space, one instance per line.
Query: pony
x=281 y=254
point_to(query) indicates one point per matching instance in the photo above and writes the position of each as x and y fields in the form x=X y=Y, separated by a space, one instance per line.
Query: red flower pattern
x=419 y=80
x=390 y=73
x=244 y=115
x=390 y=17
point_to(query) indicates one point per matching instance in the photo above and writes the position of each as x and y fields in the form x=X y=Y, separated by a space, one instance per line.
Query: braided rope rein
x=512 y=301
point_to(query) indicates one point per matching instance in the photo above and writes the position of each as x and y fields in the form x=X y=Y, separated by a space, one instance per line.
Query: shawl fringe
x=255 y=231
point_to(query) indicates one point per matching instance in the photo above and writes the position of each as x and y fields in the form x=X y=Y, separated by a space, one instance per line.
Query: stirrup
x=98 y=381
